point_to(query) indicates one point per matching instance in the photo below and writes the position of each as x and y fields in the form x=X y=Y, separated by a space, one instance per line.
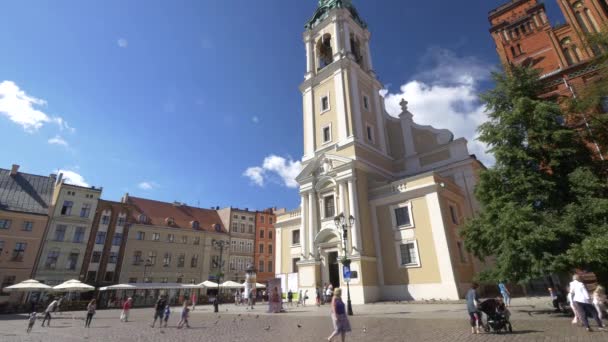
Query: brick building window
x=28 y=226
x=270 y=266
x=100 y=238
x=269 y=249
x=261 y=266
x=117 y=240
x=96 y=257
x=66 y=209
x=270 y=234
x=105 y=219
x=19 y=251
x=261 y=234
x=261 y=248
x=60 y=232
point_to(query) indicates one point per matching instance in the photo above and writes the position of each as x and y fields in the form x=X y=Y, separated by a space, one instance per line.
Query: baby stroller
x=497 y=316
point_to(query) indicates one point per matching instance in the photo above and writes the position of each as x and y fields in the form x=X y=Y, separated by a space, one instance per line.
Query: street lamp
x=219 y=244
x=343 y=223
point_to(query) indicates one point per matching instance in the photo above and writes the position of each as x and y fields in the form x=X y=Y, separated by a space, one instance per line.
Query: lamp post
x=343 y=223
x=219 y=244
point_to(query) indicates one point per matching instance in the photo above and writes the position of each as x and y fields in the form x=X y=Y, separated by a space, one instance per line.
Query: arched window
x=591 y=19
x=325 y=54
x=356 y=49
x=568 y=55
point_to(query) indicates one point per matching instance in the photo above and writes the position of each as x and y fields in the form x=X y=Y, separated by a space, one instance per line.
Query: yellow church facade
x=407 y=187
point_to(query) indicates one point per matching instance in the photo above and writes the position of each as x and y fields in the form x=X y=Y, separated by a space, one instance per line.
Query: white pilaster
x=337 y=38
x=303 y=237
x=356 y=104
x=342 y=201
x=341 y=106
x=381 y=125
x=448 y=280
x=347 y=48
x=310 y=57
x=369 y=56
x=354 y=210
x=312 y=222
x=309 y=124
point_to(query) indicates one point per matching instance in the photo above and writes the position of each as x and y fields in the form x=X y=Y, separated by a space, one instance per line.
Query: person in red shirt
x=126 y=307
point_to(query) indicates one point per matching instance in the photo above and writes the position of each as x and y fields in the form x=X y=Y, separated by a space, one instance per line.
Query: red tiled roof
x=183 y=215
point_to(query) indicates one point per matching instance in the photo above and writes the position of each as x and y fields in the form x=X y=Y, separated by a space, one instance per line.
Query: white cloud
x=256 y=174
x=147 y=185
x=277 y=169
x=21 y=109
x=122 y=42
x=445 y=95
x=72 y=177
x=58 y=140
x=255 y=119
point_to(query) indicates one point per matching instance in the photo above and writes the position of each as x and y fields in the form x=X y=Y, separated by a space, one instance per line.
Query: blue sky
x=175 y=100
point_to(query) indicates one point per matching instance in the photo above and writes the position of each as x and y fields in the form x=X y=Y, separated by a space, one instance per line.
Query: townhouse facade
x=67 y=235
x=25 y=200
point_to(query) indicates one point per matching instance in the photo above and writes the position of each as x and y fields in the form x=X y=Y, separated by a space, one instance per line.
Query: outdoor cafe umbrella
x=73 y=285
x=257 y=285
x=208 y=284
x=231 y=285
x=29 y=285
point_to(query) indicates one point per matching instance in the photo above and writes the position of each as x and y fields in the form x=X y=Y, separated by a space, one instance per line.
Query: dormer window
x=217 y=227
x=142 y=218
x=195 y=225
x=170 y=221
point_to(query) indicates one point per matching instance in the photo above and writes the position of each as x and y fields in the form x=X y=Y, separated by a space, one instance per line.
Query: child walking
x=31 y=321
x=167 y=313
x=599 y=300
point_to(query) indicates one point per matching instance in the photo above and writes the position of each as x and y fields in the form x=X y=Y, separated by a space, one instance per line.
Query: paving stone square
x=532 y=321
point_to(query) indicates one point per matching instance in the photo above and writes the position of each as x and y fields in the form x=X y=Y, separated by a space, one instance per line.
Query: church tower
x=342 y=103
x=374 y=188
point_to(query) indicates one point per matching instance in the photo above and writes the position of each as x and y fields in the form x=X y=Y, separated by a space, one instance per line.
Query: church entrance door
x=334 y=269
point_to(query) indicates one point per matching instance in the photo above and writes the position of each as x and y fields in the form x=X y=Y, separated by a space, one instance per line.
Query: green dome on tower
x=325 y=6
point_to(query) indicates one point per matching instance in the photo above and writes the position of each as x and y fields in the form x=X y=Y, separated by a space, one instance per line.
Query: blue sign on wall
x=346 y=273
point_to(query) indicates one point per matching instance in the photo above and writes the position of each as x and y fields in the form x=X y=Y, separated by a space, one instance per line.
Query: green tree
x=524 y=195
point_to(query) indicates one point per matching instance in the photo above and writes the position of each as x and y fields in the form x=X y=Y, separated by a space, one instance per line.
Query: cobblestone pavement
x=379 y=322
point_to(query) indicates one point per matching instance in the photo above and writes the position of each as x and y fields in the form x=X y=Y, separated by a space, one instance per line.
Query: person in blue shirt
x=504 y=292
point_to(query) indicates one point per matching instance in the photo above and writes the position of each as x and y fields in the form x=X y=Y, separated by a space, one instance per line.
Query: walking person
x=167 y=313
x=582 y=301
x=338 y=316
x=126 y=308
x=290 y=298
x=193 y=300
x=599 y=301
x=329 y=293
x=250 y=300
x=318 y=299
x=47 y=313
x=237 y=297
x=473 y=309
x=31 y=320
x=90 y=313
x=184 y=316
x=159 y=310
x=504 y=292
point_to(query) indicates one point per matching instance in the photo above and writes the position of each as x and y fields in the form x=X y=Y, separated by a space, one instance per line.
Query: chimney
x=125 y=198
x=14 y=170
x=59 y=179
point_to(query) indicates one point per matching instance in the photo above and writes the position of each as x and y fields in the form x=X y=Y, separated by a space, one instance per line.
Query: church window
x=402 y=216
x=327 y=134
x=324 y=51
x=409 y=254
x=324 y=104
x=370 y=133
x=591 y=19
x=568 y=55
x=581 y=21
x=295 y=237
x=329 y=206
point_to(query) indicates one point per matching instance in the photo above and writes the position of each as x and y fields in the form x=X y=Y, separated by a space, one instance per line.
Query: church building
x=402 y=189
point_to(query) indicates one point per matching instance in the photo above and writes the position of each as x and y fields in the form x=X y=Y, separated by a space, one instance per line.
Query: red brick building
x=265 y=245
x=524 y=36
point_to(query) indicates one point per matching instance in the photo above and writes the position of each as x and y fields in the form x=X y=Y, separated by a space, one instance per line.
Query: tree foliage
x=536 y=200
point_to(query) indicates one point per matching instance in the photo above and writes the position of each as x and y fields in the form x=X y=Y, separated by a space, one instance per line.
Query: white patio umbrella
x=257 y=285
x=208 y=284
x=231 y=285
x=28 y=286
x=73 y=285
x=119 y=287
